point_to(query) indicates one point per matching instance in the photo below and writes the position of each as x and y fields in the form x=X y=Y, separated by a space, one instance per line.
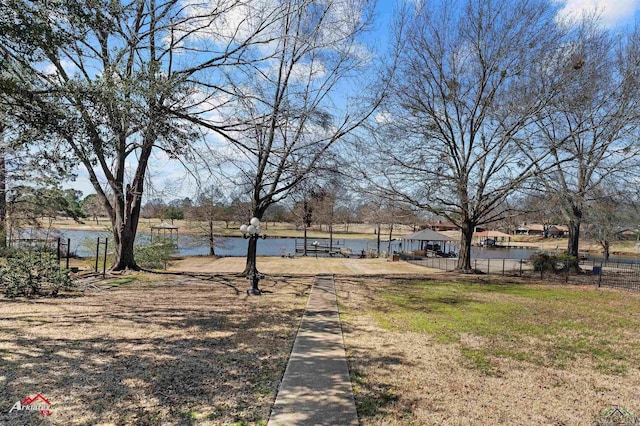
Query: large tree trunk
x=126 y=216
x=212 y=249
x=574 y=238
x=466 y=235
x=124 y=257
x=3 y=201
x=304 y=239
x=606 y=247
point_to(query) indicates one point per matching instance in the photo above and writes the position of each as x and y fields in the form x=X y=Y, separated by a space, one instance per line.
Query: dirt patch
x=300 y=266
x=168 y=350
x=434 y=360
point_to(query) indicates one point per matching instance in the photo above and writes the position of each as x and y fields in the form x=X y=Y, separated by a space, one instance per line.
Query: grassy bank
x=437 y=352
x=222 y=229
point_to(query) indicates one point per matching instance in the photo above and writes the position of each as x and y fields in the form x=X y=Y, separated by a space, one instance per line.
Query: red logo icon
x=37 y=403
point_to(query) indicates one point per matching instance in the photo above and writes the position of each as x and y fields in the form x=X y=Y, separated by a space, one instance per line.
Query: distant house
x=537 y=230
x=558 y=231
x=440 y=226
x=533 y=229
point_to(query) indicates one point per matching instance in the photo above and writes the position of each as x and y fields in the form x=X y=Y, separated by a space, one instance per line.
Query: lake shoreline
x=284 y=231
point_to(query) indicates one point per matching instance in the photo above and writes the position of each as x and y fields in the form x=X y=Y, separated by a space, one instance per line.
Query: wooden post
x=68 y=251
x=97 y=254
x=104 y=265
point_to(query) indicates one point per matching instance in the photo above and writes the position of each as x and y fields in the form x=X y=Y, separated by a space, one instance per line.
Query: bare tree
x=208 y=209
x=293 y=109
x=591 y=126
x=114 y=80
x=471 y=80
x=610 y=214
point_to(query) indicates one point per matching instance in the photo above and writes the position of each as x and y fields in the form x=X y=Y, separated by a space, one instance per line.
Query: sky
x=171 y=181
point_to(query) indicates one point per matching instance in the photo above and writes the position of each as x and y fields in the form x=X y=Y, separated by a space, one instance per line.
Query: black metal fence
x=592 y=271
x=487 y=266
x=620 y=275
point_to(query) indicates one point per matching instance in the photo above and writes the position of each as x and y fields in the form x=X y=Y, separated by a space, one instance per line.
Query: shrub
x=30 y=273
x=554 y=263
x=154 y=256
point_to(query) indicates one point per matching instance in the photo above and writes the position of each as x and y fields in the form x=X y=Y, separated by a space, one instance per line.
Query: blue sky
x=614 y=13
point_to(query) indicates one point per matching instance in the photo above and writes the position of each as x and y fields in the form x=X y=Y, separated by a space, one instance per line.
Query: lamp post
x=252 y=232
x=315 y=247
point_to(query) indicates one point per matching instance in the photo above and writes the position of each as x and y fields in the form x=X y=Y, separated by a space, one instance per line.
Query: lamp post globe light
x=252 y=233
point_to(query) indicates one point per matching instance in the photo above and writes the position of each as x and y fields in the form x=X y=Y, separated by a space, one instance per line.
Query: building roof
x=491 y=234
x=440 y=224
x=427 y=235
x=532 y=227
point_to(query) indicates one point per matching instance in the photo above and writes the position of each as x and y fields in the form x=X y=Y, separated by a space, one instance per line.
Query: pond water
x=83 y=243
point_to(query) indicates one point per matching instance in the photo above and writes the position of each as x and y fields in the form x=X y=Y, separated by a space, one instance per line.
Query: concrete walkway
x=316 y=389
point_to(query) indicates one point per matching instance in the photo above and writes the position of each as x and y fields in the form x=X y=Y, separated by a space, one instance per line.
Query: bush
x=7 y=251
x=554 y=263
x=33 y=274
x=154 y=256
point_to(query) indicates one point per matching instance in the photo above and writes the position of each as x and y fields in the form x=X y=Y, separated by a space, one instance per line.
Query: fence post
x=97 y=254
x=68 y=251
x=503 y=260
x=600 y=276
x=104 y=265
x=488 y=265
x=475 y=264
x=520 y=267
x=58 y=250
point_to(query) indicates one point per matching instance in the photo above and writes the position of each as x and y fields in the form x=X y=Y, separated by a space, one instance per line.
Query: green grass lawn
x=453 y=352
x=542 y=325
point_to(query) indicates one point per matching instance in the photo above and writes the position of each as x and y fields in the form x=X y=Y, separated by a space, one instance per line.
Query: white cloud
x=612 y=12
x=227 y=21
x=68 y=66
x=384 y=117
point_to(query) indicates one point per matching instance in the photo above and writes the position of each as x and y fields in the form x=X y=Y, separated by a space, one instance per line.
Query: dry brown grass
x=301 y=266
x=545 y=355
x=151 y=350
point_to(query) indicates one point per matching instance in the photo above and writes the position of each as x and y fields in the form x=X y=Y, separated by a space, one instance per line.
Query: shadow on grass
x=373 y=397
x=165 y=355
